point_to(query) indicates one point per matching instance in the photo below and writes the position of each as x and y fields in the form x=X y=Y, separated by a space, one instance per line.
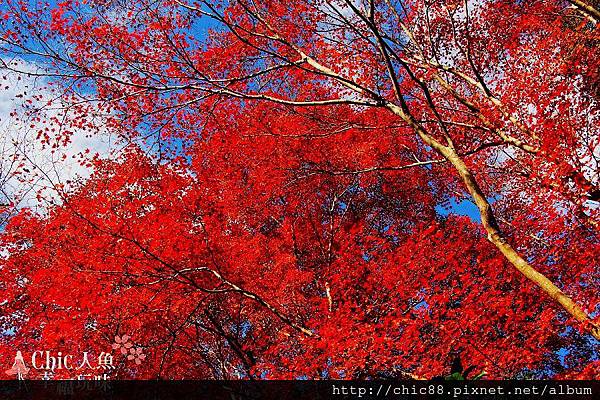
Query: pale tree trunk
x=587 y=9
x=488 y=220
x=494 y=234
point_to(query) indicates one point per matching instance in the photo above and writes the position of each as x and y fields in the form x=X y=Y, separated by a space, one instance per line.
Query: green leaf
x=457 y=376
x=479 y=376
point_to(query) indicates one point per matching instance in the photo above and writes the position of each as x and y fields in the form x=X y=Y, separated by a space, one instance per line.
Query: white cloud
x=29 y=168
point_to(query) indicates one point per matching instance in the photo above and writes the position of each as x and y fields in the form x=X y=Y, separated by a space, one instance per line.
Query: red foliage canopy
x=284 y=207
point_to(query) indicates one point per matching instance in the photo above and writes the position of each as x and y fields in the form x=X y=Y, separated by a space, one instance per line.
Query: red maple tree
x=284 y=205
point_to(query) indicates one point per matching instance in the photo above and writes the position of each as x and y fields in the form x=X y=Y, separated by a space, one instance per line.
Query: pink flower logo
x=137 y=355
x=122 y=343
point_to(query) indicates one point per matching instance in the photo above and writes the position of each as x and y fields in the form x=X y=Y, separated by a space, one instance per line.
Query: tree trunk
x=491 y=226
